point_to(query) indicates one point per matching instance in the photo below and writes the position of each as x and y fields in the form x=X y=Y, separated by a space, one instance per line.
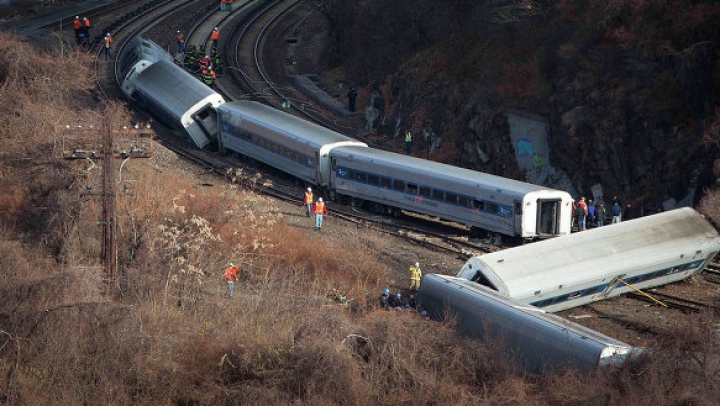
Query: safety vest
x=319 y=208
x=308 y=197
x=207 y=77
x=77 y=24
x=215 y=35
x=408 y=137
x=231 y=273
x=108 y=41
x=415 y=273
x=87 y=23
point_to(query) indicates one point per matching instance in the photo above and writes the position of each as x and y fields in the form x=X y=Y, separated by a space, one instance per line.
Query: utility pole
x=75 y=142
x=108 y=202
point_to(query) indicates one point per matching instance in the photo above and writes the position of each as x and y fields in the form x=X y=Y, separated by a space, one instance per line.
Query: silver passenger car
x=394 y=181
x=533 y=339
x=281 y=140
x=171 y=94
x=600 y=263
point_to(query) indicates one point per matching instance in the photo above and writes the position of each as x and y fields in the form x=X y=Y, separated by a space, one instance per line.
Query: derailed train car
x=600 y=263
x=151 y=78
x=533 y=340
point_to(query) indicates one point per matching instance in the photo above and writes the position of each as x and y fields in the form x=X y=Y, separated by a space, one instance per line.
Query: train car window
x=333 y=164
x=479 y=204
x=373 y=180
x=361 y=176
x=399 y=185
x=351 y=174
x=438 y=194
x=451 y=198
x=518 y=208
x=412 y=189
x=464 y=201
x=492 y=208
x=424 y=191
x=385 y=183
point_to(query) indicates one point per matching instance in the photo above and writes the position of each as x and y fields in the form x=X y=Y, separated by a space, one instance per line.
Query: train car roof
x=174 y=90
x=423 y=166
x=282 y=122
x=586 y=256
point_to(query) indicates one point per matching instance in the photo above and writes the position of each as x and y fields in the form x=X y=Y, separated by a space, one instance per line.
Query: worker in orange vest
x=77 y=26
x=86 y=29
x=108 y=46
x=231 y=275
x=319 y=209
x=308 y=201
x=215 y=36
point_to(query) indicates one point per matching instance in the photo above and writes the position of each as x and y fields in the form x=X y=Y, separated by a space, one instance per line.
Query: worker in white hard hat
x=319 y=209
x=308 y=201
x=415 y=276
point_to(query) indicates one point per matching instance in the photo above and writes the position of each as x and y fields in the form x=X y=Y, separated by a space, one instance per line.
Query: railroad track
x=673 y=302
x=712 y=273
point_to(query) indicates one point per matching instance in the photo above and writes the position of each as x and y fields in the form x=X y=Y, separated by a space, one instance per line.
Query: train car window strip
x=278 y=149
x=631 y=280
x=425 y=191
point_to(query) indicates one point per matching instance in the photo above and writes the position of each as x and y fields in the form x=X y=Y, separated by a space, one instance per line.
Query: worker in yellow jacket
x=415 y=276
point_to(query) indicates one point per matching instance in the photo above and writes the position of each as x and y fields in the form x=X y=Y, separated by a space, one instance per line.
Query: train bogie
x=281 y=140
x=534 y=340
x=600 y=263
x=473 y=198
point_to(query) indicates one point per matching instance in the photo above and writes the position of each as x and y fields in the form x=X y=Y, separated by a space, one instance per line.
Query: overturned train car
x=600 y=263
x=534 y=340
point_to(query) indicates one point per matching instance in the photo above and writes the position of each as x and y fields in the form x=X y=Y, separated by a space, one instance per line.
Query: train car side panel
x=470 y=197
x=281 y=140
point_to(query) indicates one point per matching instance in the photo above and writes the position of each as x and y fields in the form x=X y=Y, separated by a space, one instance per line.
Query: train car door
x=517 y=222
x=548 y=217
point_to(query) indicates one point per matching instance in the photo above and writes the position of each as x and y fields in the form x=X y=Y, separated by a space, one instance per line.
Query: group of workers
x=318 y=207
x=206 y=65
x=588 y=213
x=82 y=31
x=226 y=5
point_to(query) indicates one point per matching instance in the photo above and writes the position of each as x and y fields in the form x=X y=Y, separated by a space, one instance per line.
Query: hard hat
x=108 y=34
x=207 y=56
x=84 y=18
x=77 y=17
x=309 y=190
x=386 y=291
x=417 y=264
x=398 y=295
x=215 y=28
x=178 y=31
x=230 y=264
x=320 y=199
